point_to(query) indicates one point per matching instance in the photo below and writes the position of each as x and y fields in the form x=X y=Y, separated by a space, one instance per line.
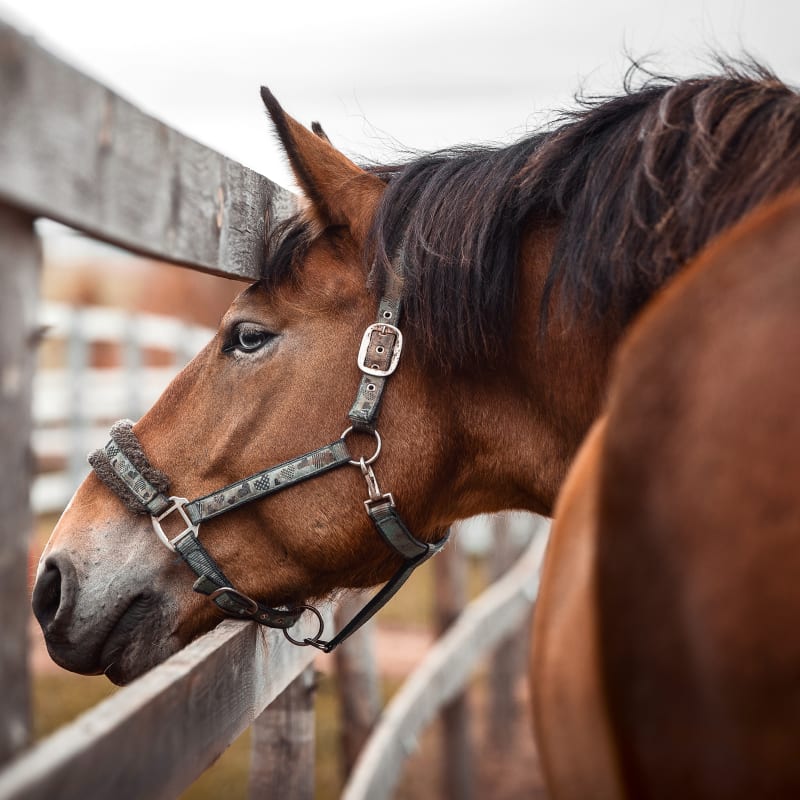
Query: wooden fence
x=73 y=151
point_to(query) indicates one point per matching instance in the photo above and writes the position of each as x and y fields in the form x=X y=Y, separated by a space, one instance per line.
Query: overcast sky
x=381 y=76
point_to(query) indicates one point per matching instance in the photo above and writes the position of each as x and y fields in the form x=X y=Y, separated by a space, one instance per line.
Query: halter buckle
x=250 y=607
x=382 y=328
x=176 y=504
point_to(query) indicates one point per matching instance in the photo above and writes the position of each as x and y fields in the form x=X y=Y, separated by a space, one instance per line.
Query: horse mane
x=636 y=185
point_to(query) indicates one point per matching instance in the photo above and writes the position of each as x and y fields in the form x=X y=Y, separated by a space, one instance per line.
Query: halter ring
x=309 y=640
x=374 y=456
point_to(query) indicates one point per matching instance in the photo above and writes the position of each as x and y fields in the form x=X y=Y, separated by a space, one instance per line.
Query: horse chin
x=137 y=639
x=133 y=660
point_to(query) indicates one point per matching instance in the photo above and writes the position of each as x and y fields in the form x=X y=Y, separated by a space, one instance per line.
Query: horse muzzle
x=92 y=633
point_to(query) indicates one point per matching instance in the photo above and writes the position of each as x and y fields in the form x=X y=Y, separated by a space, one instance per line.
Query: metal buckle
x=177 y=504
x=372 y=369
x=229 y=590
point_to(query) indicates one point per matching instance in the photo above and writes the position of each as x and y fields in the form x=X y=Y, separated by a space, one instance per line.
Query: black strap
x=268 y=481
x=211 y=580
x=363 y=413
x=126 y=480
x=414 y=552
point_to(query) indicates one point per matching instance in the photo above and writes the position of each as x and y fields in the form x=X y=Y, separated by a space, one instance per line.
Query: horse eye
x=247 y=339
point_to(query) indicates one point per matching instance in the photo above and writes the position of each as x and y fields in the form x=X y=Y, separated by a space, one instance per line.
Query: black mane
x=636 y=185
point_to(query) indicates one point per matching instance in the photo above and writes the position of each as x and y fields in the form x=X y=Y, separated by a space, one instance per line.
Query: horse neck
x=525 y=423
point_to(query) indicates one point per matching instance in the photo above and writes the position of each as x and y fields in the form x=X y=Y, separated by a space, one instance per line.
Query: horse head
x=275 y=382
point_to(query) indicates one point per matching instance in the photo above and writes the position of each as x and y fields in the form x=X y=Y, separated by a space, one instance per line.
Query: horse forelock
x=636 y=183
x=288 y=244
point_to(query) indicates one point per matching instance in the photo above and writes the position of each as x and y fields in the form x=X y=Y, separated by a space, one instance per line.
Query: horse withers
x=517 y=270
x=666 y=659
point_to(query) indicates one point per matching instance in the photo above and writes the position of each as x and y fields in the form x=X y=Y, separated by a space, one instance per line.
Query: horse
x=516 y=270
x=666 y=660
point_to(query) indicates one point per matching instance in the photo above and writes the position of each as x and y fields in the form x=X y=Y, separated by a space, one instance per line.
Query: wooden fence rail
x=155 y=737
x=502 y=609
x=73 y=151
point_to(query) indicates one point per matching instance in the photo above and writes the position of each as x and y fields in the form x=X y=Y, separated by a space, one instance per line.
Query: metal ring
x=374 y=456
x=309 y=640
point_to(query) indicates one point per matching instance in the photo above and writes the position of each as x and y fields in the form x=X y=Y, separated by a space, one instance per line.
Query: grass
x=61 y=696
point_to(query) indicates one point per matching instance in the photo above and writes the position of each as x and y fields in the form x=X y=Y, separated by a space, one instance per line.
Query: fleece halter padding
x=124 y=468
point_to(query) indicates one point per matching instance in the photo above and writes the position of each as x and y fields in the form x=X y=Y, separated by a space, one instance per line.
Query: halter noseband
x=124 y=468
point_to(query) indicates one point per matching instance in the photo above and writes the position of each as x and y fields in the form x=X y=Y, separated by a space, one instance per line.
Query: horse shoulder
x=697 y=555
x=570 y=716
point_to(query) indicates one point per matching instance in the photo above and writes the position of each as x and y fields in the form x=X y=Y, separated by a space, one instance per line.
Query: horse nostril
x=48 y=593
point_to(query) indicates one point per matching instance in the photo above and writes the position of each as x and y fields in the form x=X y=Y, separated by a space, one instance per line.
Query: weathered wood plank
x=509 y=659
x=356 y=681
x=136 y=743
x=282 y=748
x=450 y=569
x=73 y=151
x=502 y=608
x=19 y=279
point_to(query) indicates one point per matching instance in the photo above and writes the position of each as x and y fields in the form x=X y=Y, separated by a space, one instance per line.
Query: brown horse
x=667 y=661
x=521 y=266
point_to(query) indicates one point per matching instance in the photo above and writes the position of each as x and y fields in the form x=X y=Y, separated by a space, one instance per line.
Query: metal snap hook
x=371 y=481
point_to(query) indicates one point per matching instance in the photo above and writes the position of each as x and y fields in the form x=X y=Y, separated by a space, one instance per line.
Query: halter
x=124 y=468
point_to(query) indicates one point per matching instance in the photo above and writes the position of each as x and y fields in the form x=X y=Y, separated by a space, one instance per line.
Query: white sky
x=379 y=76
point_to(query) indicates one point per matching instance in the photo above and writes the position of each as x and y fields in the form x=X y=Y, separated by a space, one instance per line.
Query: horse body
x=521 y=267
x=669 y=598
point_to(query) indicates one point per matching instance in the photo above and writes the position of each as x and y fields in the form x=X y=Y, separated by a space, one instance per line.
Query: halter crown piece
x=124 y=468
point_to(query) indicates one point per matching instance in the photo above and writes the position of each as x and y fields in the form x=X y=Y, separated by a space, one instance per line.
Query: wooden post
x=357 y=681
x=508 y=660
x=282 y=749
x=451 y=597
x=19 y=279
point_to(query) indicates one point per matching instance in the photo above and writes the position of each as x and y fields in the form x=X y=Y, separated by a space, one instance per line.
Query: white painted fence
x=74 y=403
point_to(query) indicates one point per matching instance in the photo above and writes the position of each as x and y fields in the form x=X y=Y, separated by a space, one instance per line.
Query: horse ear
x=340 y=191
x=317 y=129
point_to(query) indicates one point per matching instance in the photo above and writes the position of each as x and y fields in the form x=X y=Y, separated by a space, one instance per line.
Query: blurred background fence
x=97 y=365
